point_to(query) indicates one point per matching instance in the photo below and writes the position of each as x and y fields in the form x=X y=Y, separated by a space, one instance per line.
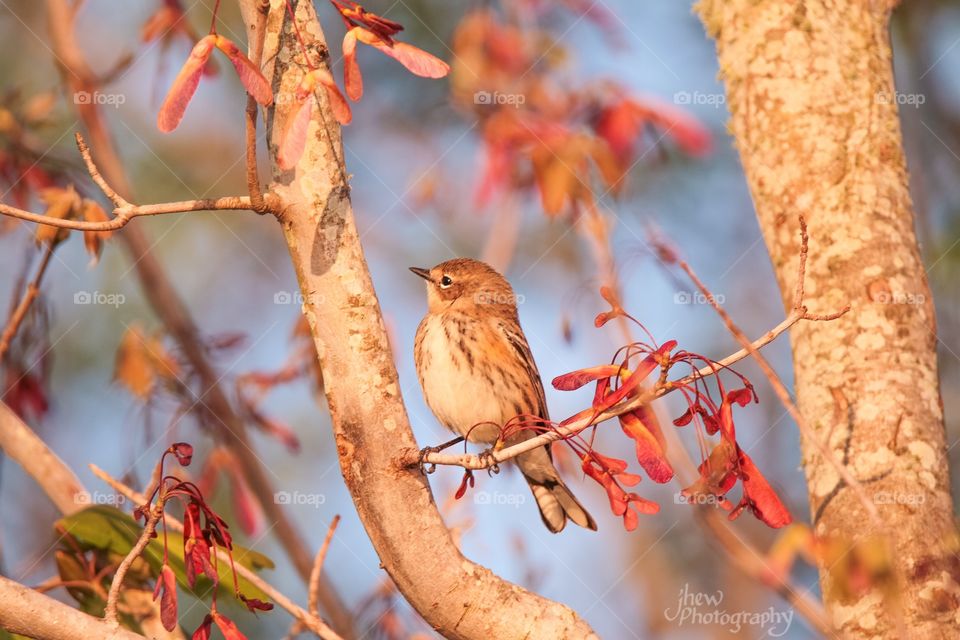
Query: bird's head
x=463 y=284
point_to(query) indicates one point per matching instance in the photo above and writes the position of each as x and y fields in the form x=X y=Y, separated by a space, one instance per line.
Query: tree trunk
x=455 y=596
x=810 y=91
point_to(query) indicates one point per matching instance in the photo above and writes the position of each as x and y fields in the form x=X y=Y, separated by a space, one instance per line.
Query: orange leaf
x=184 y=85
x=253 y=81
x=555 y=179
x=417 y=61
x=61 y=204
x=93 y=240
x=141 y=361
x=352 y=79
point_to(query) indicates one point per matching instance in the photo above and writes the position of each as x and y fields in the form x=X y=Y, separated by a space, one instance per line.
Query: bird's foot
x=489 y=461
x=427 y=468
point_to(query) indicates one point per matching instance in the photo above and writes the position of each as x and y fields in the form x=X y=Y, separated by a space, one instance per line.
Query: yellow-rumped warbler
x=477 y=373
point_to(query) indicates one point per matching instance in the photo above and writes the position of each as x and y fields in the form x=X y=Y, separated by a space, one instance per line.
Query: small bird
x=477 y=372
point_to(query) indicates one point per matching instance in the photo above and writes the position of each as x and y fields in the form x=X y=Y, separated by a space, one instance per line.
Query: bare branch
x=110 y=614
x=778 y=387
x=314 y=592
x=26 y=448
x=255 y=53
x=29 y=295
x=32 y=614
x=458 y=598
x=124 y=212
x=474 y=461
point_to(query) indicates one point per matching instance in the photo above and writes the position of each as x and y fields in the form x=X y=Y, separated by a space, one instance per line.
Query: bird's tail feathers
x=557 y=503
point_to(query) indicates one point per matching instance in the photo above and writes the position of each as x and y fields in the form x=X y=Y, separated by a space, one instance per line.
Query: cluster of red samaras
x=720 y=469
x=362 y=26
x=203 y=531
x=540 y=132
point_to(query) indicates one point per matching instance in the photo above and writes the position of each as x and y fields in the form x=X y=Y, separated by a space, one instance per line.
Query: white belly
x=459 y=395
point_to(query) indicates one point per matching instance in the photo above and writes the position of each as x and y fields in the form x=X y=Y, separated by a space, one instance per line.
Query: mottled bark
x=810 y=91
x=458 y=598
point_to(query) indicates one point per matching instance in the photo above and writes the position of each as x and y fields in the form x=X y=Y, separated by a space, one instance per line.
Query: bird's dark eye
x=445 y=281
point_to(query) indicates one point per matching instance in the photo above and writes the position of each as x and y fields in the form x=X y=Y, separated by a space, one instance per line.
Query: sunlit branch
x=473 y=461
x=110 y=614
x=777 y=384
x=124 y=211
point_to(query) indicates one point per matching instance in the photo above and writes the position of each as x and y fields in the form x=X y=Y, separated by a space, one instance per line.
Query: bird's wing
x=515 y=338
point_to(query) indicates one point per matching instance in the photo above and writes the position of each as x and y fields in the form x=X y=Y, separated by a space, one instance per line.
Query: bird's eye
x=445 y=282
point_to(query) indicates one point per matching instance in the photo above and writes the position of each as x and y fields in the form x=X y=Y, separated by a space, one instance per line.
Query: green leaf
x=108 y=529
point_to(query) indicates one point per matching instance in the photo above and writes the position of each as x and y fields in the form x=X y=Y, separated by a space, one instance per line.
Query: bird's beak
x=423 y=273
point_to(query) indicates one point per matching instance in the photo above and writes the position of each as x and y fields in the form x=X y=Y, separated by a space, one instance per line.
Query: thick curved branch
x=458 y=598
x=25 y=447
x=32 y=614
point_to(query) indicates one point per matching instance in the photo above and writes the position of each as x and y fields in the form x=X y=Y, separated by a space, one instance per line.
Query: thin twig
x=313 y=594
x=256 y=54
x=472 y=461
x=110 y=614
x=777 y=384
x=741 y=553
x=310 y=621
x=29 y=295
x=124 y=212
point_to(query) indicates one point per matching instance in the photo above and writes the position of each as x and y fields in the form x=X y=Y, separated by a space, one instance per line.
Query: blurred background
x=418 y=152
